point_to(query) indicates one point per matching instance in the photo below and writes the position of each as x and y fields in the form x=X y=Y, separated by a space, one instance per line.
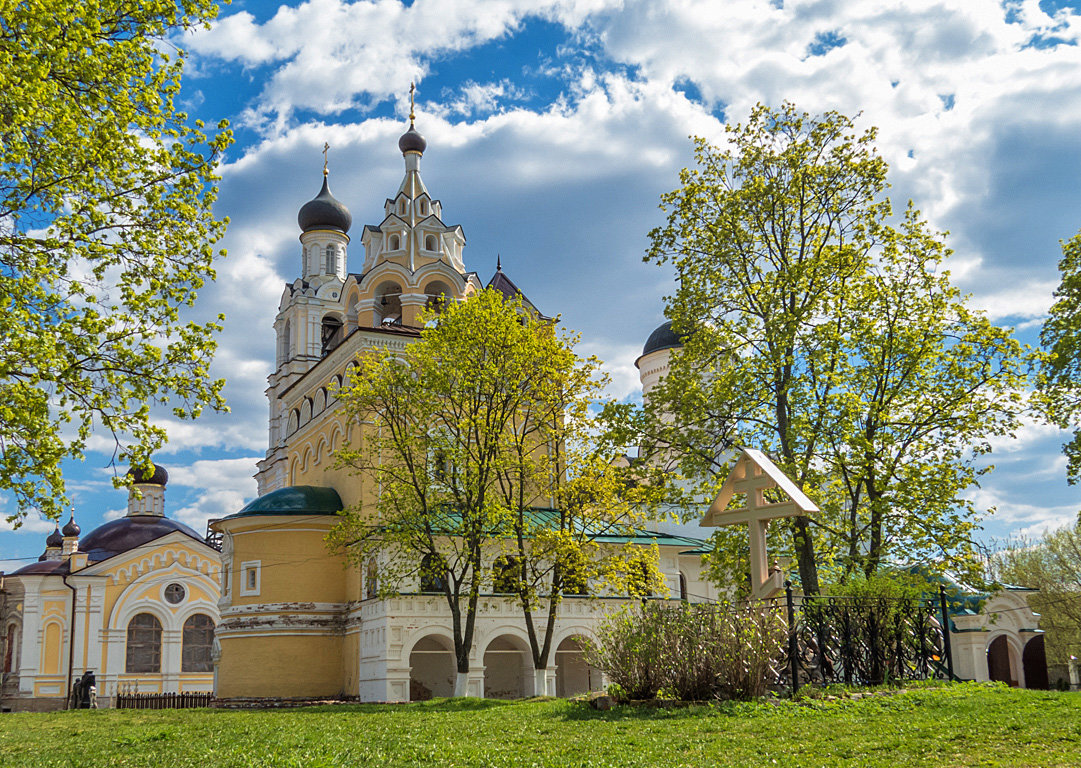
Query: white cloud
x=224 y=486
x=336 y=55
x=32 y=523
x=1024 y=519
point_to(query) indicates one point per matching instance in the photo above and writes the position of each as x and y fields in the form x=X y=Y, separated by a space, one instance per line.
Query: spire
x=326 y=147
x=498 y=264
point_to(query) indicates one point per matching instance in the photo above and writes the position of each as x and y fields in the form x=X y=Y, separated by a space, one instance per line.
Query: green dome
x=295 y=500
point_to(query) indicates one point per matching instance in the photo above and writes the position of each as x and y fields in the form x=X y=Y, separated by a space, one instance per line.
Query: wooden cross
x=753 y=474
x=326 y=147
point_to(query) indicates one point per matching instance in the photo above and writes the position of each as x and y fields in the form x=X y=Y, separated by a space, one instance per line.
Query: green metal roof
x=542 y=516
x=295 y=500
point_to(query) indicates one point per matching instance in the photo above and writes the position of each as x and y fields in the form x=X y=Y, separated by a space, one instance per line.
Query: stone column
x=412 y=304
x=544 y=681
x=470 y=683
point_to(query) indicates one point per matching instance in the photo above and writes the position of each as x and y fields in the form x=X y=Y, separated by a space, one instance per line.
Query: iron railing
x=163 y=700
x=865 y=640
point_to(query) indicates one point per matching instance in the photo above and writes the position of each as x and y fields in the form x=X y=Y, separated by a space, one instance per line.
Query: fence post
x=793 y=649
x=946 y=630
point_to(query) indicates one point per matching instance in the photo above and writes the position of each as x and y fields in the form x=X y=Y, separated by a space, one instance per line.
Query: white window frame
x=245 y=568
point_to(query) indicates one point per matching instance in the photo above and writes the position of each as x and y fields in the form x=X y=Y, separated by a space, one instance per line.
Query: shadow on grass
x=580 y=710
x=435 y=705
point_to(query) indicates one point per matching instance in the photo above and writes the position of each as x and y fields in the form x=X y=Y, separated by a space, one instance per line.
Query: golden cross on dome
x=412 y=116
x=325 y=148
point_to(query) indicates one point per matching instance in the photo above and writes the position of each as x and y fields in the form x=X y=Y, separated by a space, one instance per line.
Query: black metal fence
x=865 y=640
x=163 y=700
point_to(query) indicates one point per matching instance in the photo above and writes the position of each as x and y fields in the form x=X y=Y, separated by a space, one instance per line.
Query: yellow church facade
x=297 y=620
x=134 y=603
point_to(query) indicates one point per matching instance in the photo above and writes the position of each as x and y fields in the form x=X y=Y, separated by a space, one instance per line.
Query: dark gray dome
x=55 y=539
x=127 y=533
x=324 y=211
x=158 y=477
x=411 y=141
x=662 y=338
x=71 y=528
x=44 y=567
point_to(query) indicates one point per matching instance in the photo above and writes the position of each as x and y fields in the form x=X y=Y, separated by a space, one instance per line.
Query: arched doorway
x=505 y=664
x=1034 y=662
x=431 y=669
x=1000 y=663
x=573 y=675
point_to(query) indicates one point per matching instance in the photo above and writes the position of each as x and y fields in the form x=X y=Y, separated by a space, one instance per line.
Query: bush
x=690 y=652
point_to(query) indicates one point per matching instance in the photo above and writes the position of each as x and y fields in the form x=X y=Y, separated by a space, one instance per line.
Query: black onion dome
x=128 y=533
x=411 y=141
x=55 y=539
x=324 y=211
x=158 y=477
x=71 y=528
x=663 y=337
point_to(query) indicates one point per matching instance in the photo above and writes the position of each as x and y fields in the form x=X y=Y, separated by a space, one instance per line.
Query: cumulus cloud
x=333 y=55
x=32 y=523
x=559 y=169
x=222 y=487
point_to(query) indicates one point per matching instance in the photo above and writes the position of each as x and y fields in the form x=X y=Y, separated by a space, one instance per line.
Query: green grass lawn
x=961 y=725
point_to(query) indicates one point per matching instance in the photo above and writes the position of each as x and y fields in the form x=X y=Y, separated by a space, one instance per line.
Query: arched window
x=284 y=343
x=9 y=649
x=395 y=243
x=331 y=264
x=332 y=333
x=144 y=644
x=198 y=644
x=371 y=583
x=505 y=575
x=433 y=574
x=429 y=243
x=423 y=207
x=682 y=586
x=640 y=579
x=574 y=574
x=401 y=206
x=438 y=294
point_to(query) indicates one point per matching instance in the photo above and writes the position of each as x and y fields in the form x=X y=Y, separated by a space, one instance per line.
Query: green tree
x=462 y=436
x=106 y=233
x=1053 y=566
x=589 y=539
x=817 y=331
x=479 y=440
x=1059 y=380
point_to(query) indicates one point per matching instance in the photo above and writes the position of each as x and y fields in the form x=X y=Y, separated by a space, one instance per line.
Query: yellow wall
x=308 y=666
x=294 y=563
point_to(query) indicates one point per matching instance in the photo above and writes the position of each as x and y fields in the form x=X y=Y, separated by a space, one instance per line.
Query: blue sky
x=553 y=128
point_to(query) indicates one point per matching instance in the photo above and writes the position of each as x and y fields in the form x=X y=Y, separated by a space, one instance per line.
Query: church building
x=297 y=620
x=135 y=602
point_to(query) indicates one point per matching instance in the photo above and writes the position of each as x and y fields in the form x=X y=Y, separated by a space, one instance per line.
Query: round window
x=174 y=593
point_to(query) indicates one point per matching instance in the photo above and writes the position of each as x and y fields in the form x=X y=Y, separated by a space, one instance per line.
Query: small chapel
x=298 y=621
x=133 y=604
